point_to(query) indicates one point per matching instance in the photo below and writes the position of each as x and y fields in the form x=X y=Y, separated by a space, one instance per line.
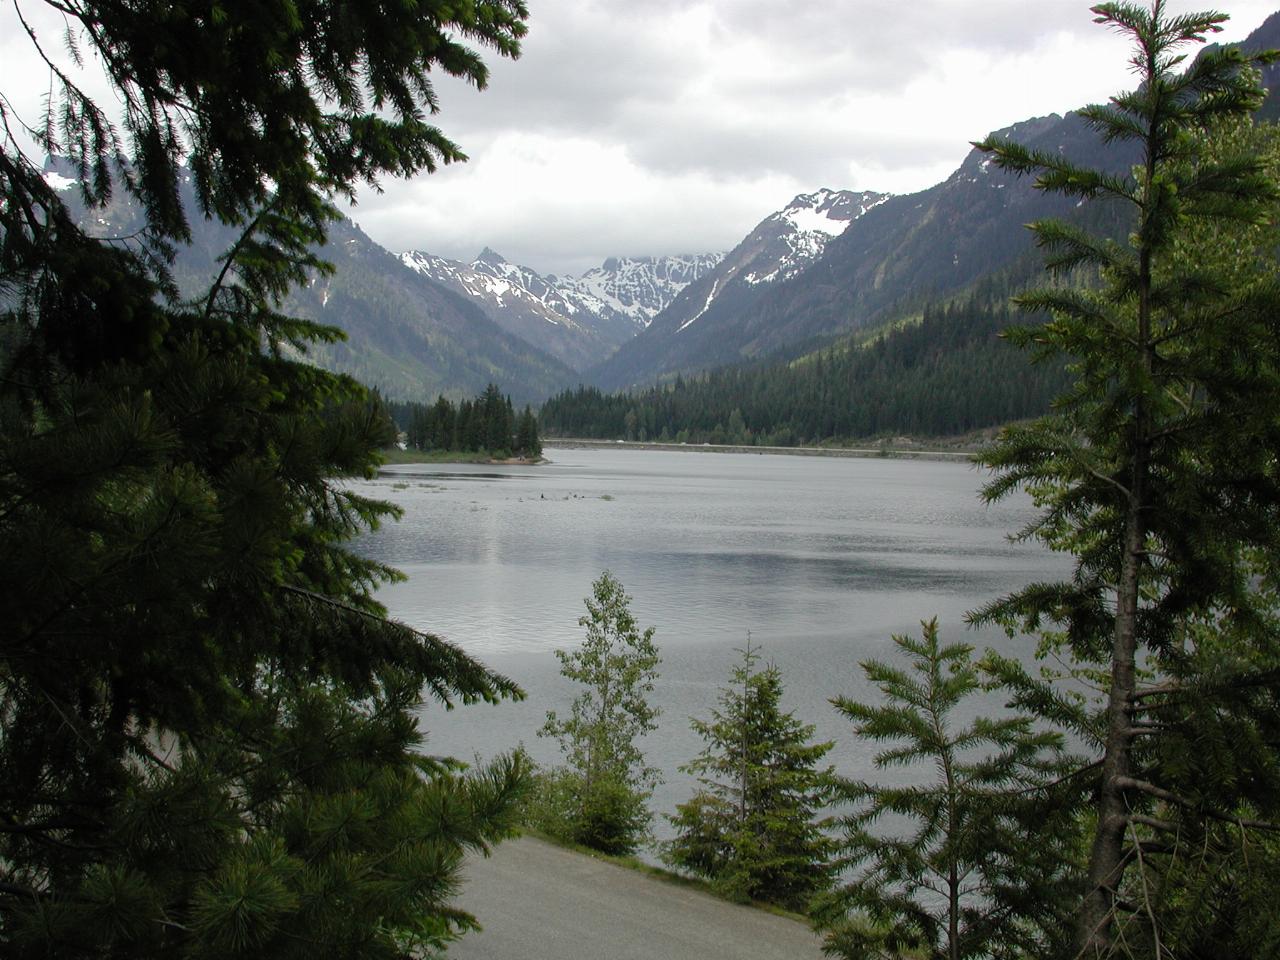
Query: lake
x=820 y=559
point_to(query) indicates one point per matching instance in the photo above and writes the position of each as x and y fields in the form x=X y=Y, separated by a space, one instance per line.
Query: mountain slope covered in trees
x=906 y=255
x=903 y=253
x=947 y=374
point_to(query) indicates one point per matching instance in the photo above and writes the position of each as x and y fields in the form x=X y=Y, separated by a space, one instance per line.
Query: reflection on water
x=822 y=559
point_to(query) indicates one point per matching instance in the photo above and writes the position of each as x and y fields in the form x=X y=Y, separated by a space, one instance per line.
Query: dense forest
x=489 y=423
x=948 y=374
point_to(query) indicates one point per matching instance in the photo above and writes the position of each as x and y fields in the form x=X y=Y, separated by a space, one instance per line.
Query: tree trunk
x=1106 y=858
x=953 y=913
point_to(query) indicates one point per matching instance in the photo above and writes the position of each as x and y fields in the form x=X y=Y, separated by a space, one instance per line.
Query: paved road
x=539 y=902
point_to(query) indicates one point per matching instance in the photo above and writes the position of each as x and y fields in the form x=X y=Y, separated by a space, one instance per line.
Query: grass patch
x=395 y=455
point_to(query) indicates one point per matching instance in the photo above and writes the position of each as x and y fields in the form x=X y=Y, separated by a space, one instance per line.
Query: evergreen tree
x=495 y=429
x=1157 y=469
x=752 y=827
x=510 y=424
x=603 y=793
x=1207 y=856
x=474 y=427
x=420 y=430
x=461 y=427
x=487 y=424
x=443 y=418
x=970 y=865
x=527 y=442
x=208 y=733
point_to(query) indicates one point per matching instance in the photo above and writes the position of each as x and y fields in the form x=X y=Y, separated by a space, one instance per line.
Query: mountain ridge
x=900 y=255
x=779 y=247
x=897 y=255
x=579 y=320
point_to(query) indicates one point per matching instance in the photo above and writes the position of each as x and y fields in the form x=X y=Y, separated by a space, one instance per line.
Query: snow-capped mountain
x=522 y=303
x=781 y=246
x=797 y=234
x=638 y=288
x=580 y=320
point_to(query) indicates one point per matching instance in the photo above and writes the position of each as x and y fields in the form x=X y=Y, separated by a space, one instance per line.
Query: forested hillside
x=946 y=374
x=903 y=254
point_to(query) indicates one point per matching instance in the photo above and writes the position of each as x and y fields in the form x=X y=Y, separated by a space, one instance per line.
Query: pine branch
x=1156 y=691
x=229 y=258
x=1168 y=796
x=1065 y=778
x=485 y=683
x=58 y=823
x=1244 y=681
x=1142 y=786
x=18 y=890
x=1149 y=729
x=1153 y=822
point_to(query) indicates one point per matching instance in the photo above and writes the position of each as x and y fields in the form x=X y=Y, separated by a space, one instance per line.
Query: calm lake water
x=820 y=559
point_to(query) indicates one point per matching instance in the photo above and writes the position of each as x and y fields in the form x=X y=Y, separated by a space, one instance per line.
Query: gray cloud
x=642 y=126
x=742 y=88
x=650 y=126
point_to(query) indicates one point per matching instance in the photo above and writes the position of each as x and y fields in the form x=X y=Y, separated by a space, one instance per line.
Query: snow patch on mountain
x=781 y=246
x=638 y=288
x=57 y=181
x=815 y=221
x=624 y=294
x=580 y=320
x=497 y=285
x=711 y=296
x=635 y=289
x=801 y=230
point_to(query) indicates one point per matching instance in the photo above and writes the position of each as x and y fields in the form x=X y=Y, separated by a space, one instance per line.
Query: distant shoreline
x=878 y=452
x=397 y=458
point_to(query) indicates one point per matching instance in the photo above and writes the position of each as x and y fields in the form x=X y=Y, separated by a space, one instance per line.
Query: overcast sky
x=640 y=127
x=658 y=126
